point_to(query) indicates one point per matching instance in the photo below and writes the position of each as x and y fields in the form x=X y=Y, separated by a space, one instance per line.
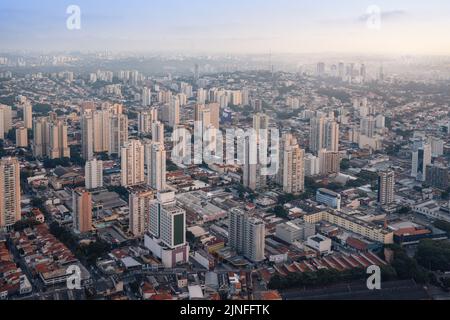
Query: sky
x=229 y=26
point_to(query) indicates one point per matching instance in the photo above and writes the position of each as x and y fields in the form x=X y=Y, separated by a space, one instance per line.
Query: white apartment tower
x=156 y=165
x=246 y=234
x=132 y=164
x=93 y=172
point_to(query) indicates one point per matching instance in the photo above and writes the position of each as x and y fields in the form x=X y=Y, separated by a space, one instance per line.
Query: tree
x=280 y=212
x=345 y=164
x=434 y=255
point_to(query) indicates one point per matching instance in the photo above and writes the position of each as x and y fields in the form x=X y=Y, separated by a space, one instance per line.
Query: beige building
x=9 y=192
x=22 y=137
x=118 y=133
x=5 y=120
x=57 y=146
x=132 y=163
x=28 y=115
x=353 y=224
x=140 y=199
x=82 y=210
x=294 y=170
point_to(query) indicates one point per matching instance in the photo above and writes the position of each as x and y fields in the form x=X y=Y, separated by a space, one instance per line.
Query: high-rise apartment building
x=246 y=235
x=140 y=200
x=22 y=137
x=386 y=183
x=293 y=170
x=118 y=133
x=28 y=115
x=57 y=146
x=156 y=165
x=93 y=172
x=10 y=211
x=82 y=210
x=5 y=120
x=87 y=136
x=132 y=164
x=324 y=135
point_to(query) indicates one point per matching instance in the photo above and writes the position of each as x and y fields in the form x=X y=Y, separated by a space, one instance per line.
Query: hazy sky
x=230 y=26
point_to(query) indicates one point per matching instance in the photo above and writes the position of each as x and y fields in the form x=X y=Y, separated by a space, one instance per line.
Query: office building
x=329 y=198
x=421 y=157
x=437 y=176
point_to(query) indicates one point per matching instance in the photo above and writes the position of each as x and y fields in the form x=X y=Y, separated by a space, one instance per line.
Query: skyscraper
x=214 y=110
x=5 y=120
x=22 y=137
x=421 y=157
x=118 y=133
x=102 y=132
x=28 y=115
x=386 y=182
x=132 y=163
x=331 y=135
x=146 y=96
x=168 y=221
x=437 y=176
x=324 y=134
x=57 y=146
x=255 y=149
x=293 y=170
x=93 y=172
x=39 y=145
x=10 y=196
x=158 y=132
x=316 y=134
x=139 y=201
x=87 y=136
x=368 y=125
x=174 y=112
x=330 y=162
x=246 y=234
x=156 y=165
x=82 y=210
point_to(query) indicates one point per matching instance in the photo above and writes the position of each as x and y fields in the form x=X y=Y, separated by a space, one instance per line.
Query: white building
x=93 y=172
